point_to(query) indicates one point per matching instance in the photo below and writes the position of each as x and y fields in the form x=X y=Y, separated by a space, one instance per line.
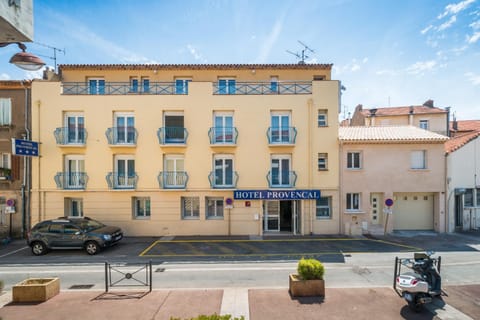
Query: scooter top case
x=411 y=282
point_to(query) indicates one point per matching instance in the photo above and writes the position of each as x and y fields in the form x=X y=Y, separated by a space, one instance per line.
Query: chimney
x=428 y=103
x=410 y=116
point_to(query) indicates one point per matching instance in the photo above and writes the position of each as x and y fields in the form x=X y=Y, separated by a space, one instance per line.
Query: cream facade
x=401 y=163
x=189 y=149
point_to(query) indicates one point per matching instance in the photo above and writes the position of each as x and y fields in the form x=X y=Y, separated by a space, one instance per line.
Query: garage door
x=413 y=211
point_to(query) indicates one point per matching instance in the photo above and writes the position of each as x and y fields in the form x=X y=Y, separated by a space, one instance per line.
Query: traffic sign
x=389 y=202
x=24 y=148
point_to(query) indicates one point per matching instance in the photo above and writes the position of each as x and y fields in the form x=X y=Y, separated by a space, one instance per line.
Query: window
x=75 y=123
x=280 y=127
x=322 y=118
x=5 y=162
x=353 y=201
x=181 y=86
x=174 y=127
x=317 y=78
x=274 y=84
x=468 y=198
x=214 y=208
x=423 y=124
x=125 y=172
x=96 y=86
x=125 y=128
x=418 y=159
x=174 y=172
x=141 y=207
x=353 y=160
x=280 y=171
x=324 y=208
x=5 y=111
x=322 y=161
x=223 y=167
x=226 y=86
x=478 y=197
x=224 y=131
x=146 y=84
x=75 y=177
x=134 y=84
x=190 y=207
x=73 y=207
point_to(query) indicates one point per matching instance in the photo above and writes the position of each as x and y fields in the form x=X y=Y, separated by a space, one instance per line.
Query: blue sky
x=386 y=53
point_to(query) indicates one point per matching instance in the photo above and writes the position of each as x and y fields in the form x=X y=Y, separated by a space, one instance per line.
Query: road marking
x=7 y=254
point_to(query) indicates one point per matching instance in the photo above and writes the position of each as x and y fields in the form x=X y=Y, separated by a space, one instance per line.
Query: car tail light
x=414 y=282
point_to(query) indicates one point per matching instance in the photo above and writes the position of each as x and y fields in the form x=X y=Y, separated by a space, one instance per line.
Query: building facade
x=402 y=164
x=14 y=174
x=189 y=149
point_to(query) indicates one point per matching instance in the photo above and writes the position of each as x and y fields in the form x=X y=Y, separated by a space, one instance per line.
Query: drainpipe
x=309 y=163
x=340 y=189
x=25 y=188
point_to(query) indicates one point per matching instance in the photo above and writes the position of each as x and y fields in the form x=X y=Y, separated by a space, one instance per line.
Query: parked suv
x=70 y=233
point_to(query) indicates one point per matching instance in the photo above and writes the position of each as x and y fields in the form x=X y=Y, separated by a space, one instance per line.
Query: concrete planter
x=306 y=288
x=35 y=289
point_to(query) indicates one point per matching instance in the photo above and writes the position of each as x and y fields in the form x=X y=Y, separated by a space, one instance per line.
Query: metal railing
x=261 y=88
x=223 y=135
x=121 y=88
x=281 y=135
x=172 y=135
x=227 y=181
x=172 y=179
x=68 y=136
x=117 y=180
x=281 y=179
x=128 y=276
x=71 y=180
x=122 y=136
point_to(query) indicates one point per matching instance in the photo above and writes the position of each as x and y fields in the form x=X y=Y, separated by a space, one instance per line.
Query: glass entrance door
x=272 y=216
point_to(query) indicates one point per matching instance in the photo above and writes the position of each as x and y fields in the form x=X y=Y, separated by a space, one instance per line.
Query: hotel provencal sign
x=276 y=194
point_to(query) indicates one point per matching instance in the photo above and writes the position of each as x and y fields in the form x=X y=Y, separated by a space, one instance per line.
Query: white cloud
x=4 y=76
x=473 y=38
x=386 y=72
x=455 y=8
x=447 y=24
x=34 y=74
x=475 y=25
x=421 y=67
x=474 y=78
x=196 y=55
x=425 y=30
x=352 y=66
x=271 y=39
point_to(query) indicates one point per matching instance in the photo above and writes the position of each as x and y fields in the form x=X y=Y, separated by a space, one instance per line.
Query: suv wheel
x=38 y=248
x=92 y=247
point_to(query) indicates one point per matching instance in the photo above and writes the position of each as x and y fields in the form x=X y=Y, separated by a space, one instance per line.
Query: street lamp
x=24 y=60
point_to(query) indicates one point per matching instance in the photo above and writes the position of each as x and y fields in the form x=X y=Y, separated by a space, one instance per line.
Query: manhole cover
x=82 y=286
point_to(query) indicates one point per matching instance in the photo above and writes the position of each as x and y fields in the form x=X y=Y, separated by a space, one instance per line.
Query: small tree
x=310 y=269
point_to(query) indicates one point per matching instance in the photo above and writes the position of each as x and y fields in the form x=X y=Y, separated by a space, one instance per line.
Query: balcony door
x=75 y=172
x=280 y=170
x=75 y=123
x=223 y=127
x=280 y=127
x=174 y=127
x=223 y=171
x=174 y=171
x=125 y=169
x=125 y=127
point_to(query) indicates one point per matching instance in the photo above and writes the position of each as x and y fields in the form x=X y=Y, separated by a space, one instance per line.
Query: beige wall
x=437 y=121
x=251 y=154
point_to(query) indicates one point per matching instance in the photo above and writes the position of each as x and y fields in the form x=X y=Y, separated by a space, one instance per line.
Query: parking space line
x=15 y=251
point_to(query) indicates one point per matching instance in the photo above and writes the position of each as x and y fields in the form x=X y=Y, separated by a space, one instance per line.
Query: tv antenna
x=55 y=50
x=303 y=54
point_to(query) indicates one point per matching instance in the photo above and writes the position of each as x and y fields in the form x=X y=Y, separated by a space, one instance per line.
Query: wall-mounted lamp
x=24 y=60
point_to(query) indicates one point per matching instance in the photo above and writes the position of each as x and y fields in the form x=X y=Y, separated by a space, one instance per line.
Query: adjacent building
x=190 y=149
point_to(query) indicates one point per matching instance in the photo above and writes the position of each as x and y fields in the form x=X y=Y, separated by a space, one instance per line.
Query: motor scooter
x=422 y=283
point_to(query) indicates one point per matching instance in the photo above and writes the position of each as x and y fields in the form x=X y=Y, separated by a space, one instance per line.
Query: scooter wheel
x=415 y=306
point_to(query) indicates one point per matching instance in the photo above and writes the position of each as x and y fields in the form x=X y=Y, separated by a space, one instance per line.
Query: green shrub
x=213 y=317
x=310 y=269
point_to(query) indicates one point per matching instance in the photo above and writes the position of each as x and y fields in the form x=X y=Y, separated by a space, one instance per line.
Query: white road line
x=7 y=254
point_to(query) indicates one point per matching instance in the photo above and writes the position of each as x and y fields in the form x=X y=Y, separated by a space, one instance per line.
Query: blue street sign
x=24 y=148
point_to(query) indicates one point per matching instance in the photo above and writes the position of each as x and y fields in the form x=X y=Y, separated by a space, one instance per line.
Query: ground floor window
x=141 y=207
x=190 y=207
x=73 y=207
x=353 y=201
x=324 y=210
x=214 y=208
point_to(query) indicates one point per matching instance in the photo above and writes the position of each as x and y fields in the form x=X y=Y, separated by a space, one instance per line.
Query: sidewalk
x=254 y=304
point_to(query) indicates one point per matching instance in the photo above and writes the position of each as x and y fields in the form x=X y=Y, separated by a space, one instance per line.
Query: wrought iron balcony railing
x=122 y=136
x=71 y=180
x=69 y=136
x=281 y=135
x=254 y=88
x=281 y=179
x=172 y=179
x=223 y=135
x=226 y=180
x=122 y=180
x=119 y=88
x=172 y=135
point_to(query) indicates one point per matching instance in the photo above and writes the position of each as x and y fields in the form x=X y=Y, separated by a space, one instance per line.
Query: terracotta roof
x=466 y=125
x=457 y=142
x=395 y=134
x=306 y=66
x=400 y=111
x=15 y=84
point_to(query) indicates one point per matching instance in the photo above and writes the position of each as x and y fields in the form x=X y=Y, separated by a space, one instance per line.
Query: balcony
x=281 y=179
x=227 y=181
x=70 y=137
x=281 y=136
x=71 y=180
x=122 y=136
x=263 y=88
x=223 y=136
x=172 y=136
x=5 y=174
x=172 y=179
x=121 y=88
x=122 y=181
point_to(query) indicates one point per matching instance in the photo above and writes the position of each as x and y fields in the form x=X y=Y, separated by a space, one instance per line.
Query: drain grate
x=82 y=286
x=160 y=270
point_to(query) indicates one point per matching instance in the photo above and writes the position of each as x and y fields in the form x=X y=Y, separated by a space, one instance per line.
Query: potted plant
x=309 y=280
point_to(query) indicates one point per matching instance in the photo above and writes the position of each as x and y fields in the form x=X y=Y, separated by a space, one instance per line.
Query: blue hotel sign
x=276 y=194
x=24 y=148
